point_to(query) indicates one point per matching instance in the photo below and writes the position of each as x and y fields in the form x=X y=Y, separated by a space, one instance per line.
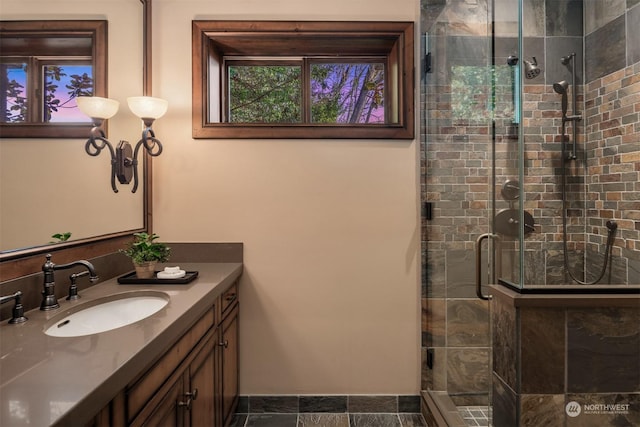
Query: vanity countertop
x=66 y=381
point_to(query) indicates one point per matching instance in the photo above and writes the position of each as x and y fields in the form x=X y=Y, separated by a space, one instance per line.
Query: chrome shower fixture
x=561 y=87
x=531 y=68
x=567 y=59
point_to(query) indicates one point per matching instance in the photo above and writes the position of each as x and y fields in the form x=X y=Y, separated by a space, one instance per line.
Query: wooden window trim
x=288 y=38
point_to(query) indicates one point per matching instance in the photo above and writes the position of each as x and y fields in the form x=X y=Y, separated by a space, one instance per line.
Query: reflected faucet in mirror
x=49 y=300
x=123 y=165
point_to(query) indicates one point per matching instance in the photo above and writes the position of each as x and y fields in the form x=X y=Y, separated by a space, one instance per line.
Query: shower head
x=512 y=60
x=561 y=89
x=567 y=59
x=531 y=69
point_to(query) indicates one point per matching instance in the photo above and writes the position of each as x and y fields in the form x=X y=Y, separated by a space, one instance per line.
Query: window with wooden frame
x=44 y=66
x=283 y=79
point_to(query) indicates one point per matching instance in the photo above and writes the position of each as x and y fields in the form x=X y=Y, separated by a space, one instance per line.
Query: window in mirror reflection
x=44 y=67
x=39 y=90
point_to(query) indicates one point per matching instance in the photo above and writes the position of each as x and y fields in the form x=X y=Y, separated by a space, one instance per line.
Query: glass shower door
x=457 y=83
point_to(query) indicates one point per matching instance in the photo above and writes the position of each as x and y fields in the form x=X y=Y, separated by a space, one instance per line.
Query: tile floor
x=475 y=416
x=329 y=420
x=328 y=411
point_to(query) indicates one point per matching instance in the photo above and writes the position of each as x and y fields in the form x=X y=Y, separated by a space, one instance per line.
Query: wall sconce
x=123 y=165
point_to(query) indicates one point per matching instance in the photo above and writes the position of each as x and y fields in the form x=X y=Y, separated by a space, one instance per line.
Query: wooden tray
x=132 y=279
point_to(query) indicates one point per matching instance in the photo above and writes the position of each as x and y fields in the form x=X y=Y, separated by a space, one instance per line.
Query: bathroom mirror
x=52 y=194
x=44 y=66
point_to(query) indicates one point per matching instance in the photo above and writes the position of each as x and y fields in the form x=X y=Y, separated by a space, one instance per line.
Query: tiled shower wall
x=612 y=129
x=603 y=183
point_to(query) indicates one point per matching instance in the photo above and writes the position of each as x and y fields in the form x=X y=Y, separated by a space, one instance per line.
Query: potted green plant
x=145 y=253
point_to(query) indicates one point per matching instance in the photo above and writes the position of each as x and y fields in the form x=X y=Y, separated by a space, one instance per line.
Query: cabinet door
x=168 y=412
x=229 y=358
x=202 y=377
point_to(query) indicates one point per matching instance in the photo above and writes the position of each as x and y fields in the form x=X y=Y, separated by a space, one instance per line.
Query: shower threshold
x=438 y=410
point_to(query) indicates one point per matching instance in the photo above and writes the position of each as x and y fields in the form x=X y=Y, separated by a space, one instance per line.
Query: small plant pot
x=145 y=270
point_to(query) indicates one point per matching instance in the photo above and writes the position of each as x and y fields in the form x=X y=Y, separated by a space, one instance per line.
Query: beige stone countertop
x=66 y=381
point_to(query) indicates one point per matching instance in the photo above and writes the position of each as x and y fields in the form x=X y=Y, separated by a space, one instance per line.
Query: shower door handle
x=479 y=266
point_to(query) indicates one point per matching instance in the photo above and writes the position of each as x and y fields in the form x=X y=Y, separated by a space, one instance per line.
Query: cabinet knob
x=191 y=396
x=224 y=343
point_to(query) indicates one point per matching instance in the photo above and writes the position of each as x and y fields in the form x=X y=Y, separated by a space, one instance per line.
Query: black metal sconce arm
x=124 y=166
x=96 y=143
x=151 y=144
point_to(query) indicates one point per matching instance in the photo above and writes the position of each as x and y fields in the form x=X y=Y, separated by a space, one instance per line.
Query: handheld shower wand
x=561 y=89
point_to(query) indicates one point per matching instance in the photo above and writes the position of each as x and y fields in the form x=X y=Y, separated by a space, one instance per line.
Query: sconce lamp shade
x=147 y=107
x=96 y=107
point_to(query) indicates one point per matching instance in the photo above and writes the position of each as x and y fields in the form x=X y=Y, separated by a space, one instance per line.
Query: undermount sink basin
x=105 y=314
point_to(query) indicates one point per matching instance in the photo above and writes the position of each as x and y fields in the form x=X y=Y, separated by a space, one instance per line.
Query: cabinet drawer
x=229 y=297
x=143 y=389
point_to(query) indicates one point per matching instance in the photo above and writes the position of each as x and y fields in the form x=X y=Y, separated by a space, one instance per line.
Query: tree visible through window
x=337 y=93
x=264 y=94
x=61 y=84
x=347 y=93
x=284 y=79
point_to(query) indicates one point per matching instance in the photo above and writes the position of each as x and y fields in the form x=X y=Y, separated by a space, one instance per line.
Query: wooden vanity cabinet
x=188 y=397
x=229 y=356
x=194 y=384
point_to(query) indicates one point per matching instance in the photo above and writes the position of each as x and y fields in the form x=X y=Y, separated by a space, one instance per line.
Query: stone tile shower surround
x=602 y=184
x=549 y=352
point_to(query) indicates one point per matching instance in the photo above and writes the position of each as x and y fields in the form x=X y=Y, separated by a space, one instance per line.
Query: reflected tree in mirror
x=479 y=93
x=60 y=106
x=44 y=67
x=62 y=84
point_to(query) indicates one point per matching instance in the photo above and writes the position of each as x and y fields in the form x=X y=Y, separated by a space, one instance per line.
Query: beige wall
x=330 y=294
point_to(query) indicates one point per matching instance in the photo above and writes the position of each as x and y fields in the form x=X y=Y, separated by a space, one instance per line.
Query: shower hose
x=611 y=225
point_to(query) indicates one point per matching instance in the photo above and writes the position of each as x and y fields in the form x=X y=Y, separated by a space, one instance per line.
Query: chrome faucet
x=49 y=300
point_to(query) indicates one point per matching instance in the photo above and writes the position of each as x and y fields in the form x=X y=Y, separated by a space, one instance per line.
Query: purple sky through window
x=68 y=112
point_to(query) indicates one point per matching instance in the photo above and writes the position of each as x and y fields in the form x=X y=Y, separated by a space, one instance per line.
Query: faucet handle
x=73 y=287
x=18 y=309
